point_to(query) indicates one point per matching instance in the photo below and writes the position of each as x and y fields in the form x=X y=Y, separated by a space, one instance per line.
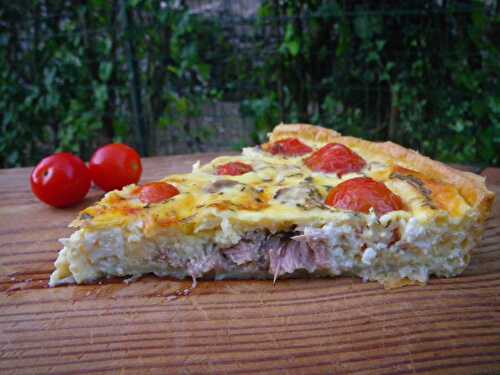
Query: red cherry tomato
x=335 y=158
x=60 y=180
x=114 y=166
x=156 y=192
x=289 y=147
x=234 y=168
x=361 y=193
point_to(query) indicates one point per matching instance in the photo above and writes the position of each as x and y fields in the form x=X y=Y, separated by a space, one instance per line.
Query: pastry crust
x=471 y=186
x=304 y=131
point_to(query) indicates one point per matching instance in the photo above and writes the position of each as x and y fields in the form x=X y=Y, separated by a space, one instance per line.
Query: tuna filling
x=274 y=254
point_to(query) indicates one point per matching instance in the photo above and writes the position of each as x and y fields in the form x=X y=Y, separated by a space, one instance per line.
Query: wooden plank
x=467 y=168
x=492 y=175
x=340 y=326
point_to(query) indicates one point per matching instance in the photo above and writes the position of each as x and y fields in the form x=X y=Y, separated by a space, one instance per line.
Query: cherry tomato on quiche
x=335 y=158
x=289 y=147
x=114 y=166
x=234 y=168
x=155 y=192
x=361 y=193
x=60 y=180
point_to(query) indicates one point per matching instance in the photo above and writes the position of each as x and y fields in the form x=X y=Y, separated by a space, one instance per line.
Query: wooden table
x=334 y=326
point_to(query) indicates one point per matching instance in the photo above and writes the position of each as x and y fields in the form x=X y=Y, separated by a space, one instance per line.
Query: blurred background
x=190 y=76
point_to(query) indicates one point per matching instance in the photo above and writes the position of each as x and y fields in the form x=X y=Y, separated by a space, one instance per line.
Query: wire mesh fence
x=191 y=76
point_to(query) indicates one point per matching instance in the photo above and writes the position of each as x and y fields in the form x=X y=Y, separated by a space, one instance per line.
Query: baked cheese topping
x=278 y=188
x=277 y=203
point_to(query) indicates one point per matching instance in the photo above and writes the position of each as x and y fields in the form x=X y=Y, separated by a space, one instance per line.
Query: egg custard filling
x=308 y=203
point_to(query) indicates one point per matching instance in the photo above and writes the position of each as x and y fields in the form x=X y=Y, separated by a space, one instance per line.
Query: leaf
x=204 y=70
x=478 y=18
x=13 y=158
x=133 y=3
x=293 y=47
x=385 y=77
x=7 y=118
x=291 y=43
x=106 y=44
x=366 y=26
x=182 y=105
x=101 y=96
x=173 y=69
x=97 y=3
x=4 y=39
x=344 y=39
x=264 y=10
x=105 y=69
x=289 y=32
x=362 y=28
x=49 y=76
x=494 y=104
x=373 y=56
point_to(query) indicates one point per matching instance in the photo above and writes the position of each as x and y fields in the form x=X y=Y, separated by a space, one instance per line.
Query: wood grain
x=325 y=326
x=492 y=175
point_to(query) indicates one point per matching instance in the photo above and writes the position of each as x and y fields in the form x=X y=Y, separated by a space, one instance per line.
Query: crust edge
x=471 y=186
x=304 y=131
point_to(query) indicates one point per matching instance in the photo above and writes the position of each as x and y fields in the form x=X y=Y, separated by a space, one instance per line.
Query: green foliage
x=419 y=73
x=423 y=75
x=56 y=79
x=65 y=78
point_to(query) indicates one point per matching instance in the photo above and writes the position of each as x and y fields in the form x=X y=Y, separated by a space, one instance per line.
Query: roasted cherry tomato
x=335 y=158
x=60 y=180
x=289 y=147
x=114 y=166
x=234 y=168
x=361 y=193
x=156 y=192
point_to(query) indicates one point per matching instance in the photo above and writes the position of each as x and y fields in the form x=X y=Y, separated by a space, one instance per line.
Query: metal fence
x=178 y=77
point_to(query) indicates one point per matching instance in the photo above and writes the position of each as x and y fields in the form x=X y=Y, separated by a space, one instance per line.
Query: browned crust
x=471 y=186
x=304 y=131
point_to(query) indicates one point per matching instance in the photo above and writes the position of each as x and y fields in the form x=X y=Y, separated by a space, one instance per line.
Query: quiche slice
x=308 y=202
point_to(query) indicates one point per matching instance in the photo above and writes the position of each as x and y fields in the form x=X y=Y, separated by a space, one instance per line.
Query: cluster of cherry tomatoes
x=356 y=194
x=63 y=179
